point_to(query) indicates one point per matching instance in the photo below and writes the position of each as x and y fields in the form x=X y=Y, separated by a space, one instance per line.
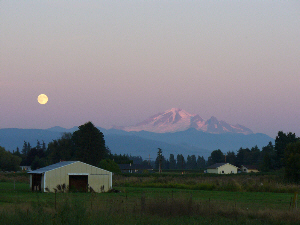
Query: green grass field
x=144 y=205
x=250 y=200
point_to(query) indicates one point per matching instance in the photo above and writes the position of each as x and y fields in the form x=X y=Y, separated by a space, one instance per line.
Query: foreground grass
x=166 y=199
x=73 y=209
x=136 y=205
x=242 y=200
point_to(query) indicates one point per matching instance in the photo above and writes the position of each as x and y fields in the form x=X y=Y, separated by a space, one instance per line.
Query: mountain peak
x=176 y=119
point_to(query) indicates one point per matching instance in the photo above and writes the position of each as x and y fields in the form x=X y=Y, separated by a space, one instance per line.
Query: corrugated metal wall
x=97 y=178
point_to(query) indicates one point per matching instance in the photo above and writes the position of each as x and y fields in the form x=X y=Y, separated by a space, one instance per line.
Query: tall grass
x=21 y=177
x=141 y=210
x=263 y=183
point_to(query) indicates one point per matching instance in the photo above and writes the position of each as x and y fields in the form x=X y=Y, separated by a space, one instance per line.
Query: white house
x=222 y=168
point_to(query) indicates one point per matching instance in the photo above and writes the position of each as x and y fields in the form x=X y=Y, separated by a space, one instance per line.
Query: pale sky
x=119 y=62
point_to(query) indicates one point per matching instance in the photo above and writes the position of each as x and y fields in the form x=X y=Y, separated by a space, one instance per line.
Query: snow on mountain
x=175 y=119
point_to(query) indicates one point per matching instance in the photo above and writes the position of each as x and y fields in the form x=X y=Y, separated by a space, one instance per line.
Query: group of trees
x=284 y=154
x=244 y=156
x=270 y=157
x=87 y=144
x=9 y=161
x=35 y=157
x=191 y=162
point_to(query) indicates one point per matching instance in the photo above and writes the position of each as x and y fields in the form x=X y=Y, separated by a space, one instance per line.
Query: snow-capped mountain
x=174 y=120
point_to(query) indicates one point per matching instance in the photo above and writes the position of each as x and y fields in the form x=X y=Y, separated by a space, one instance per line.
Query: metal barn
x=75 y=175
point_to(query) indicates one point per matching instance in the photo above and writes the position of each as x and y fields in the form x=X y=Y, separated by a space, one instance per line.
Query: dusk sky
x=119 y=62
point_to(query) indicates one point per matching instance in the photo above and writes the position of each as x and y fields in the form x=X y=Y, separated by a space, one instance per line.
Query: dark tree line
x=283 y=154
x=190 y=163
x=244 y=156
x=270 y=157
x=87 y=144
x=9 y=161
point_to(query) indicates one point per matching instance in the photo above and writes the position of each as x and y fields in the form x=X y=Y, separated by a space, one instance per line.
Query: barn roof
x=52 y=167
x=216 y=165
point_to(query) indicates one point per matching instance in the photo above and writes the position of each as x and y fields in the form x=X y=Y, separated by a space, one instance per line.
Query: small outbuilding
x=26 y=168
x=73 y=175
x=222 y=168
x=249 y=169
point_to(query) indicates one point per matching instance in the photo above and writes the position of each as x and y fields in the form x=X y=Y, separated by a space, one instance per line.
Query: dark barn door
x=36 y=182
x=78 y=182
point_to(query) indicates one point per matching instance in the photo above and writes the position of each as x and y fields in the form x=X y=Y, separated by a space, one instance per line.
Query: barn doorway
x=78 y=183
x=36 y=182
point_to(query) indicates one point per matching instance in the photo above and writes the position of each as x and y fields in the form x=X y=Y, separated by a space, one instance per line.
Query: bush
x=110 y=165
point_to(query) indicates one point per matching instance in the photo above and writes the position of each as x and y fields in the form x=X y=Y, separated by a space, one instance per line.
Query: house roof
x=135 y=167
x=53 y=167
x=217 y=165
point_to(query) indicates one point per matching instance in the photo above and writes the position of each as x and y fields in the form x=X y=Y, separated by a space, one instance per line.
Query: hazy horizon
x=120 y=62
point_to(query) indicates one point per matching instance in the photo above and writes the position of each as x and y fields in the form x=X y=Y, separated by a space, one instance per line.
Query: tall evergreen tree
x=33 y=154
x=201 y=162
x=267 y=158
x=44 y=146
x=181 y=163
x=191 y=162
x=89 y=144
x=281 y=141
x=17 y=153
x=38 y=145
x=167 y=164
x=292 y=161
x=231 y=158
x=24 y=149
x=243 y=157
x=159 y=157
x=61 y=149
x=216 y=156
x=172 y=162
x=160 y=162
x=254 y=155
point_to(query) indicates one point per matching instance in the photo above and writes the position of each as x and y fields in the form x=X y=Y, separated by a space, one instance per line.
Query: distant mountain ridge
x=175 y=120
x=143 y=143
x=175 y=131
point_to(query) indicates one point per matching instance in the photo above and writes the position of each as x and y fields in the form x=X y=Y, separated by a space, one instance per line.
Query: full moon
x=42 y=99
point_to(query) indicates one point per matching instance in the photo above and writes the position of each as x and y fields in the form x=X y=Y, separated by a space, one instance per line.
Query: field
x=138 y=203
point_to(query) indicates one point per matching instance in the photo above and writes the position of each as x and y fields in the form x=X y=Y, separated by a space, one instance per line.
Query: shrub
x=110 y=165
